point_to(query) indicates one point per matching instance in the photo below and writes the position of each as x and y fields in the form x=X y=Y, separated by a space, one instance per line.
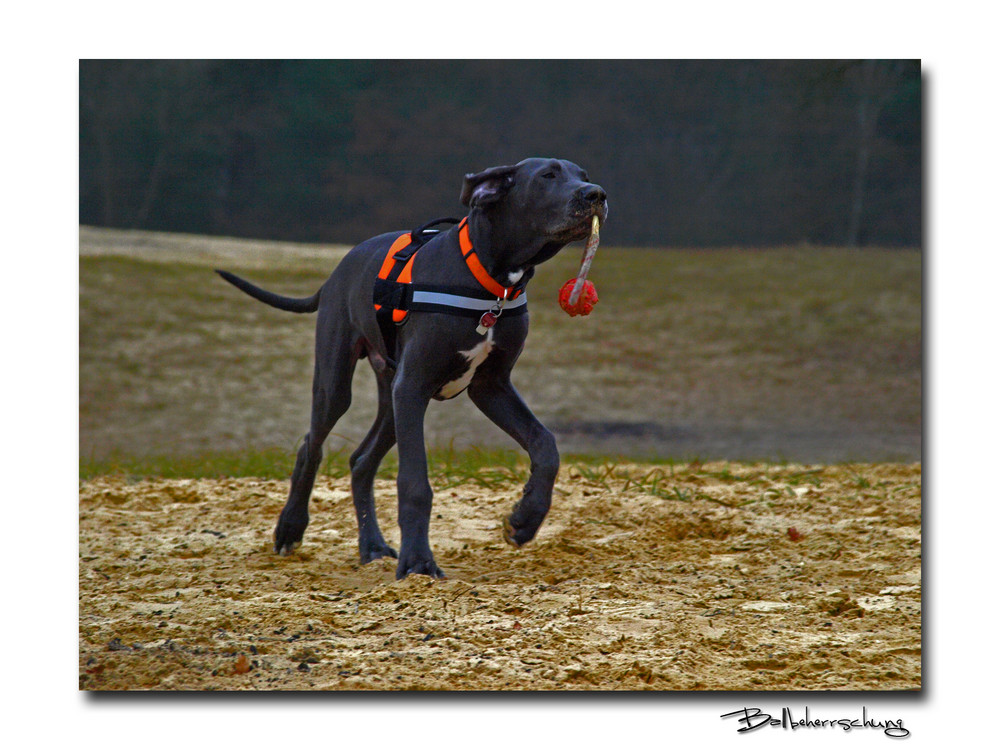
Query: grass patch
x=264 y=463
x=447 y=467
x=726 y=346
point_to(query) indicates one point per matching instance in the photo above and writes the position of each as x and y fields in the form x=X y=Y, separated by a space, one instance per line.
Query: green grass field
x=777 y=354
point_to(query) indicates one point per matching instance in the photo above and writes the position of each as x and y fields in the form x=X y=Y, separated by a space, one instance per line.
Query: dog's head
x=539 y=203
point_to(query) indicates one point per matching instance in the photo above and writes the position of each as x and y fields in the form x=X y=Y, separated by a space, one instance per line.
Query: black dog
x=520 y=216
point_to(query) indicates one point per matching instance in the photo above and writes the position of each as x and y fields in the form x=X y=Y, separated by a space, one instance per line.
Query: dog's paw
x=418 y=567
x=288 y=535
x=508 y=533
x=515 y=536
x=376 y=551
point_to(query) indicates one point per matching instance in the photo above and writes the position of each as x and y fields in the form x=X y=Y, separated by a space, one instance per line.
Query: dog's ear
x=487 y=186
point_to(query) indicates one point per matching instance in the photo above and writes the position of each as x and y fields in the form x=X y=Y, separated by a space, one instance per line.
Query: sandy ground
x=693 y=577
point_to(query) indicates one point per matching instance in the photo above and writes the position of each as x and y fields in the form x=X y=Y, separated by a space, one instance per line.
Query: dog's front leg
x=498 y=400
x=364 y=465
x=410 y=400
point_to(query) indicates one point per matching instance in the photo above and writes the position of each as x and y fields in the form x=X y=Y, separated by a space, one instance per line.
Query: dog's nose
x=594 y=194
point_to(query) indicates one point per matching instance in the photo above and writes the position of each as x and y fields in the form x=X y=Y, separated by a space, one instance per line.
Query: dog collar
x=494 y=287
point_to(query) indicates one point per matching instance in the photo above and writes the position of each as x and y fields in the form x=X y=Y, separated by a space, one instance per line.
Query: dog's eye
x=549 y=175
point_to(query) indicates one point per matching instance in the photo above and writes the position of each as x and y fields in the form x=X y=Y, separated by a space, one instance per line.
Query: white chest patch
x=475 y=356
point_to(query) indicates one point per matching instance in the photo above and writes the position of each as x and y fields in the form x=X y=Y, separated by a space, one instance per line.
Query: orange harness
x=395 y=295
x=398 y=270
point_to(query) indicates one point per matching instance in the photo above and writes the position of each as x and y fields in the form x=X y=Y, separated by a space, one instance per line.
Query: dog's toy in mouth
x=578 y=296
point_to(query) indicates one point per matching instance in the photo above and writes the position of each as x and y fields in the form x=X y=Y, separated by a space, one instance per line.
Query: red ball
x=584 y=305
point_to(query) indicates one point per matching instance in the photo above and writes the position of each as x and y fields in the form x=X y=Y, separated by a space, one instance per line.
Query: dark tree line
x=692 y=153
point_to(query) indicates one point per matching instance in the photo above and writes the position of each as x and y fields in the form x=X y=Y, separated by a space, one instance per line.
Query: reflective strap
x=464 y=303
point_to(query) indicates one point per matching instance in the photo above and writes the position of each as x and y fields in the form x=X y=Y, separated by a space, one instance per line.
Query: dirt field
x=692 y=577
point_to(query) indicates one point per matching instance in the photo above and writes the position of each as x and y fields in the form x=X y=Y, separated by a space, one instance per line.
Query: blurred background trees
x=692 y=153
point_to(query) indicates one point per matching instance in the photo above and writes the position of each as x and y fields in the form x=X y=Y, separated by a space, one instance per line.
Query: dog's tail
x=289 y=304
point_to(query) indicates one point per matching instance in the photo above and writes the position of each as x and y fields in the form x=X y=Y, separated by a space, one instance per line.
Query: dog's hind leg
x=336 y=356
x=498 y=400
x=364 y=464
